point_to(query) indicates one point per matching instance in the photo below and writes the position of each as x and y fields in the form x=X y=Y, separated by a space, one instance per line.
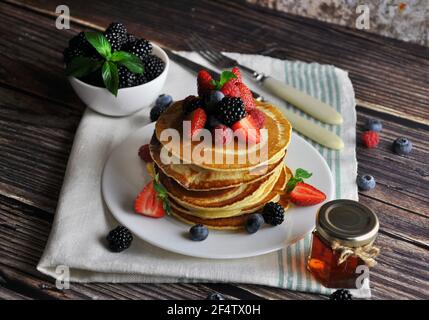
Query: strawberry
x=370 y=139
x=222 y=134
x=247 y=96
x=148 y=203
x=205 y=82
x=144 y=153
x=258 y=117
x=247 y=129
x=229 y=89
x=237 y=73
x=306 y=195
x=198 y=121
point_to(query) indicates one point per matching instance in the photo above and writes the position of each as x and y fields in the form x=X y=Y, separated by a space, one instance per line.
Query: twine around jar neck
x=367 y=253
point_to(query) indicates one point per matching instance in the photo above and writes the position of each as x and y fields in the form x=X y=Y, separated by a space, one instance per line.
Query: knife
x=299 y=123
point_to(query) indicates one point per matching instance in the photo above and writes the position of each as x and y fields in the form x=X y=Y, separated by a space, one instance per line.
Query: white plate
x=125 y=175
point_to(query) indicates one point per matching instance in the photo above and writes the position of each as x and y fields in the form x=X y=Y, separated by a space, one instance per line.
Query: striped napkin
x=82 y=219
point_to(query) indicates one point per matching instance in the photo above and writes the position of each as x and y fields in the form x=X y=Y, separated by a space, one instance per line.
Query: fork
x=299 y=99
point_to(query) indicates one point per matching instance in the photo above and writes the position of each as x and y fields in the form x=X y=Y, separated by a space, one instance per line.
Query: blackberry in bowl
x=115 y=73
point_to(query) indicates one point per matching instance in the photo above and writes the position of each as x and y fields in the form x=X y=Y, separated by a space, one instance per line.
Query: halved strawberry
x=247 y=130
x=247 y=96
x=258 y=116
x=144 y=153
x=148 y=203
x=306 y=195
x=229 y=89
x=204 y=81
x=198 y=121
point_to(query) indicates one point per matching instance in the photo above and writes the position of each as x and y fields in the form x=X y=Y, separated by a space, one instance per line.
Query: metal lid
x=349 y=222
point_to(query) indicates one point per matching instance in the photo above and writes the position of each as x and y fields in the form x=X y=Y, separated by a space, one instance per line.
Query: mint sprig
x=162 y=194
x=225 y=76
x=300 y=175
x=82 y=66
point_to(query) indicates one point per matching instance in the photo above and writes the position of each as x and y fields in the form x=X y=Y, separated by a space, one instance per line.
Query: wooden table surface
x=39 y=114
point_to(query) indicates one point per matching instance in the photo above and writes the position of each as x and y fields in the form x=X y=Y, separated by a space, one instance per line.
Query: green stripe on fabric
x=334 y=80
x=281 y=268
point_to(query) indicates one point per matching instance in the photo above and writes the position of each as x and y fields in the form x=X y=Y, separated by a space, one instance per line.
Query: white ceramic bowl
x=129 y=100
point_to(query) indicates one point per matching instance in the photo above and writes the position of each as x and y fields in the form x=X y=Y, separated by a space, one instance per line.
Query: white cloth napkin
x=82 y=220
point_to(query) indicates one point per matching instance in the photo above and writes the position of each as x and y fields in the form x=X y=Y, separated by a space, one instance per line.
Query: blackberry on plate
x=341 y=294
x=191 y=103
x=273 y=213
x=230 y=110
x=126 y=77
x=116 y=34
x=141 y=48
x=119 y=239
x=153 y=66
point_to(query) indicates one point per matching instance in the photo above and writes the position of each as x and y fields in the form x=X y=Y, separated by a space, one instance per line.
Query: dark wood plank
x=400 y=83
x=46 y=106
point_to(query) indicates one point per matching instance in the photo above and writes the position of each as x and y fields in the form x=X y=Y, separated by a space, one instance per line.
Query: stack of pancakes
x=221 y=195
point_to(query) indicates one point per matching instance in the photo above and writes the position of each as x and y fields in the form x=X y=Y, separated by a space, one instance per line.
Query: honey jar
x=342 y=241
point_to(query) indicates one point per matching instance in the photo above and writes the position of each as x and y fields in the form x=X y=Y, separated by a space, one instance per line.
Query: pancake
x=273 y=195
x=273 y=143
x=226 y=199
x=196 y=178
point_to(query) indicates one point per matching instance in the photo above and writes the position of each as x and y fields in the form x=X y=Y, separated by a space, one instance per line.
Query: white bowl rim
x=164 y=57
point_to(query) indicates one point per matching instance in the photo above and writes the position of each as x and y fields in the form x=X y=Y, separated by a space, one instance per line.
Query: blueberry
x=164 y=100
x=215 y=296
x=211 y=100
x=374 y=125
x=198 y=232
x=213 y=121
x=402 y=146
x=254 y=222
x=365 y=182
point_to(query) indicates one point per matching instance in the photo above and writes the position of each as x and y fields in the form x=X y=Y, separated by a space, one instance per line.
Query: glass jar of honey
x=342 y=241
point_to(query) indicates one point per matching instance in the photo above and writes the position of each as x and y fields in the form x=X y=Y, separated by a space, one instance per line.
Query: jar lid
x=349 y=222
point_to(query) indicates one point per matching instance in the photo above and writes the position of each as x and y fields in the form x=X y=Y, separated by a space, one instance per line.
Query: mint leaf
x=300 y=175
x=81 y=66
x=129 y=60
x=162 y=194
x=100 y=43
x=225 y=76
x=110 y=76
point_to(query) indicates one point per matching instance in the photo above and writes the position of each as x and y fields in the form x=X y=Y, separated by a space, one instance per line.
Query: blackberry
x=141 y=79
x=153 y=66
x=119 y=239
x=79 y=41
x=230 y=110
x=126 y=78
x=116 y=34
x=341 y=294
x=273 y=213
x=70 y=53
x=141 y=48
x=131 y=37
x=94 y=79
x=191 y=103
